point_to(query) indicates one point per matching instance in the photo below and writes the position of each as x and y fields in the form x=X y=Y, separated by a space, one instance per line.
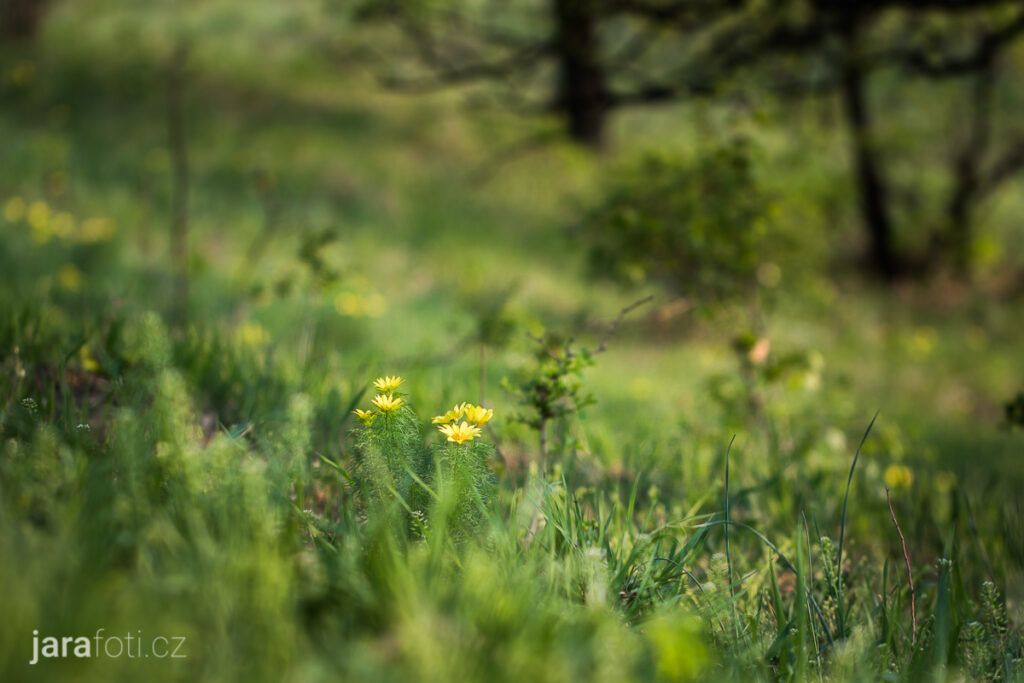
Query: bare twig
x=608 y=333
x=468 y=72
x=543 y=345
x=910 y=573
x=618 y=321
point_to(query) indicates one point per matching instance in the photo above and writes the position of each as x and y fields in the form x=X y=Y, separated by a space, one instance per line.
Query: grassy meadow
x=703 y=498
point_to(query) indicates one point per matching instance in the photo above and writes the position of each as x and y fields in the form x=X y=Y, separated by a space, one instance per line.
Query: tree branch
x=608 y=333
x=986 y=49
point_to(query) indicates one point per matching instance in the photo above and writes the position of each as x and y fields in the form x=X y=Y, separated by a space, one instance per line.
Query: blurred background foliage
x=221 y=219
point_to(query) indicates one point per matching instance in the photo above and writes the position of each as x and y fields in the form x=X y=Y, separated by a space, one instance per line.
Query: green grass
x=215 y=492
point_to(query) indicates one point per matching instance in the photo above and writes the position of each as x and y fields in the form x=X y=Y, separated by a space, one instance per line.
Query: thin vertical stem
x=910 y=573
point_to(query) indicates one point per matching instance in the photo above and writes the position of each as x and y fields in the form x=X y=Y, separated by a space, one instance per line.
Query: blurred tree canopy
x=586 y=59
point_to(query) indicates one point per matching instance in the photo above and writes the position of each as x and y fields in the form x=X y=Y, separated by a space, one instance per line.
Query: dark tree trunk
x=581 y=87
x=967 y=186
x=179 y=180
x=960 y=210
x=20 y=19
x=871 y=187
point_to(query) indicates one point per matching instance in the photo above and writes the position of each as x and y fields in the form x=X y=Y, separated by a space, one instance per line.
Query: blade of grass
x=840 y=615
x=776 y=596
x=800 y=609
x=728 y=551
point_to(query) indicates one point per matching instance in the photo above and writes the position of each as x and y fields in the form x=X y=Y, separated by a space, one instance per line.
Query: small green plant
x=553 y=388
x=465 y=482
x=987 y=639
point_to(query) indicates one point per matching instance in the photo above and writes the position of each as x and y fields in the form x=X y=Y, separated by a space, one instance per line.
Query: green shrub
x=695 y=225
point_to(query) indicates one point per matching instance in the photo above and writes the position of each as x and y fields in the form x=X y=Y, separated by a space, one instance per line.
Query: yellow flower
x=253 y=334
x=88 y=362
x=898 y=476
x=388 y=384
x=39 y=215
x=375 y=305
x=387 y=402
x=14 y=209
x=478 y=415
x=69 y=277
x=944 y=482
x=460 y=433
x=63 y=224
x=95 y=230
x=365 y=416
x=452 y=415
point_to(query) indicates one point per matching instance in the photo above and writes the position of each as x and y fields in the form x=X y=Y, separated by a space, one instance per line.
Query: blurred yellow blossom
x=347 y=303
x=898 y=477
x=14 y=209
x=39 y=215
x=640 y=388
x=69 y=277
x=88 y=362
x=63 y=224
x=253 y=334
x=365 y=416
x=96 y=229
x=41 y=235
x=357 y=305
x=20 y=73
x=944 y=481
x=921 y=342
x=375 y=305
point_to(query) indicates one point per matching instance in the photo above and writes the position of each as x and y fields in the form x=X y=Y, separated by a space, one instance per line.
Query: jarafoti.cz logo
x=100 y=645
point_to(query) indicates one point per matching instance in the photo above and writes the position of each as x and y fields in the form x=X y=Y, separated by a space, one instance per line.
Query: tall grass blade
x=840 y=614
